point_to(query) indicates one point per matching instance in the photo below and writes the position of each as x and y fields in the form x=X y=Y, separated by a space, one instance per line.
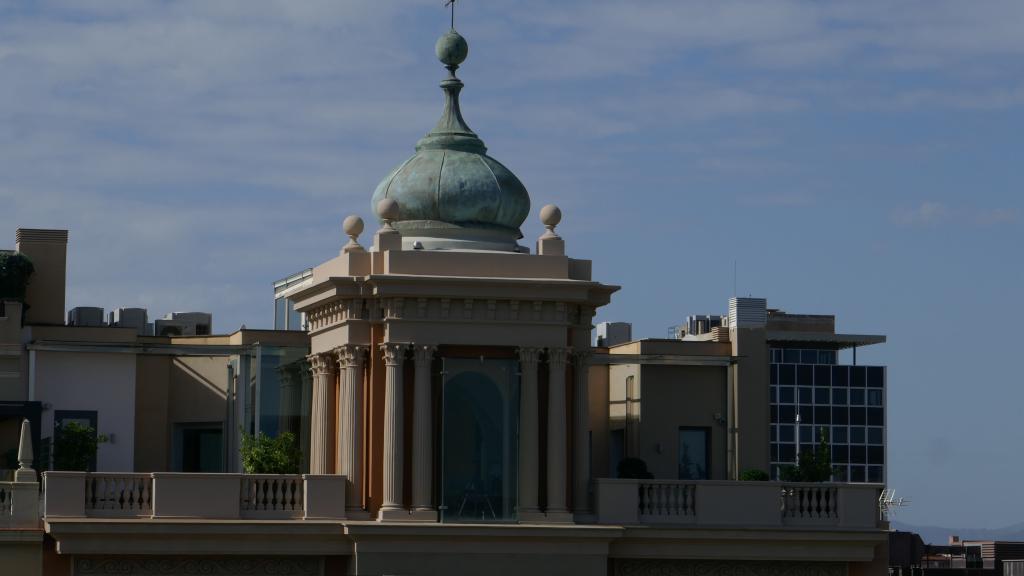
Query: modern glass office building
x=811 y=395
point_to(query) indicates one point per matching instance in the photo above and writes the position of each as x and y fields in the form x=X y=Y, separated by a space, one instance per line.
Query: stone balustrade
x=720 y=503
x=19 y=505
x=193 y=495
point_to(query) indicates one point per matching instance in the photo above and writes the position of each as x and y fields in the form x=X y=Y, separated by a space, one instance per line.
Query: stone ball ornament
x=388 y=210
x=451 y=48
x=353 y=226
x=550 y=216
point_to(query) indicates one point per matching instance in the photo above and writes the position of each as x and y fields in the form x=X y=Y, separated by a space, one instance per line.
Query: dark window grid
x=805 y=375
x=822 y=395
x=806 y=394
x=875 y=376
x=822 y=376
x=841 y=376
x=876 y=416
x=858 y=376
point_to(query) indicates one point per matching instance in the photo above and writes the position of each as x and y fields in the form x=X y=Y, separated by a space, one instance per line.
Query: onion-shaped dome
x=451 y=194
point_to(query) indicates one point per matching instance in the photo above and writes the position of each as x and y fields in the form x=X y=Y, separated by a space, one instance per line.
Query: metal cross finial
x=452 y=4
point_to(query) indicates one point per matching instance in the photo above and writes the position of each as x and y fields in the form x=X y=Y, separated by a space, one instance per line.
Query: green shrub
x=754 y=476
x=634 y=468
x=262 y=454
x=812 y=466
x=15 y=269
x=75 y=447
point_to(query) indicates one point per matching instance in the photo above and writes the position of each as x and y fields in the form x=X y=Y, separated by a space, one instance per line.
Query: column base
x=357 y=514
x=392 y=515
x=423 y=515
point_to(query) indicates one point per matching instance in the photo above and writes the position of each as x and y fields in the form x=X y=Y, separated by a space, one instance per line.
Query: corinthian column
x=342 y=445
x=391 y=507
x=353 y=416
x=320 y=414
x=581 y=433
x=422 y=453
x=557 y=461
x=529 y=437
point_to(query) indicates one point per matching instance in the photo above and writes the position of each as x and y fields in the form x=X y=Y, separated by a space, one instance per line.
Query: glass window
x=809 y=356
x=787 y=452
x=874 y=435
x=787 y=414
x=840 y=454
x=858 y=455
x=294 y=318
x=773 y=375
x=773 y=394
x=791 y=356
x=786 y=433
x=806 y=413
x=279 y=314
x=806 y=396
x=773 y=433
x=874 y=397
x=876 y=455
x=840 y=415
x=875 y=379
x=774 y=451
x=806 y=434
x=822 y=376
x=839 y=435
x=786 y=395
x=839 y=396
x=856 y=473
x=876 y=417
x=787 y=374
x=776 y=355
x=775 y=414
x=821 y=395
x=859 y=376
x=694 y=456
x=856 y=434
x=826 y=356
x=857 y=416
x=875 y=474
x=822 y=415
x=840 y=375
x=839 y=474
x=805 y=375
x=856 y=397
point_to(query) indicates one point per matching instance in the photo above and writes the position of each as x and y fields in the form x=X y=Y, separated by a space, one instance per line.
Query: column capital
x=349 y=354
x=423 y=353
x=321 y=364
x=529 y=355
x=582 y=357
x=558 y=355
x=393 y=353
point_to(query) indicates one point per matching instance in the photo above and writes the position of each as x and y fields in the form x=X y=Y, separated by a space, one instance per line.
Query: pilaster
x=422 y=455
x=557 y=511
x=392 y=506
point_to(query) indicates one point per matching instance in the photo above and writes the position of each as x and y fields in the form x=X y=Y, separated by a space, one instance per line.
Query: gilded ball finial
x=451 y=48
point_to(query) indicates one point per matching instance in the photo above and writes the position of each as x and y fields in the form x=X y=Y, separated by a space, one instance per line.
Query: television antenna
x=888 y=503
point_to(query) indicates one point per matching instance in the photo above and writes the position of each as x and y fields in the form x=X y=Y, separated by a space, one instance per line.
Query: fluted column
x=322 y=366
x=581 y=433
x=557 y=461
x=529 y=436
x=353 y=423
x=391 y=507
x=342 y=445
x=422 y=446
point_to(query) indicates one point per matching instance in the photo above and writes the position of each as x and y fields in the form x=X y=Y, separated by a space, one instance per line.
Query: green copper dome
x=451 y=194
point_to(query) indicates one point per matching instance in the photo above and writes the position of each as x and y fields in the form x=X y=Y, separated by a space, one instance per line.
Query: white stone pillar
x=529 y=435
x=422 y=445
x=581 y=433
x=557 y=511
x=343 y=444
x=353 y=422
x=391 y=506
x=320 y=414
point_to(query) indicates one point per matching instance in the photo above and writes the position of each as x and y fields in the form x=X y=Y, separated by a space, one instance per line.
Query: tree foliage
x=754 y=476
x=634 y=468
x=75 y=447
x=15 y=270
x=262 y=454
x=813 y=465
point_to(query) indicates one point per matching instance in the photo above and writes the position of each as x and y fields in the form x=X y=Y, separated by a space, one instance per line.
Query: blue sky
x=857 y=158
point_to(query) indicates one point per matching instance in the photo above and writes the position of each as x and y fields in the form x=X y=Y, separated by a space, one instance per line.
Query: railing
x=186 y=495
x=661 y=501
x=721 y=503
x=270 y=495
x=19 y=505
x=119 y=494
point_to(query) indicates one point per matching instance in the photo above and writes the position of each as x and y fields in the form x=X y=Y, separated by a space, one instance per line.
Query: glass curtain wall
x=479 y=440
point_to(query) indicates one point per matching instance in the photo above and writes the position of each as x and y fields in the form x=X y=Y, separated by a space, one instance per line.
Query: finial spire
x=452 y=4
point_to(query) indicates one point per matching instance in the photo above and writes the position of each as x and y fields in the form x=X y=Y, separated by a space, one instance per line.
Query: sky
x=857 y=158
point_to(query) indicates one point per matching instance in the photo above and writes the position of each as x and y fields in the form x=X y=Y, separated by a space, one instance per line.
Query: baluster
x=818 y=509
x=290 y=494
x=278 y=503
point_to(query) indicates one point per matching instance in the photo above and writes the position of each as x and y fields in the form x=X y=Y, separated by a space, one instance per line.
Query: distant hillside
x=940 y=535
